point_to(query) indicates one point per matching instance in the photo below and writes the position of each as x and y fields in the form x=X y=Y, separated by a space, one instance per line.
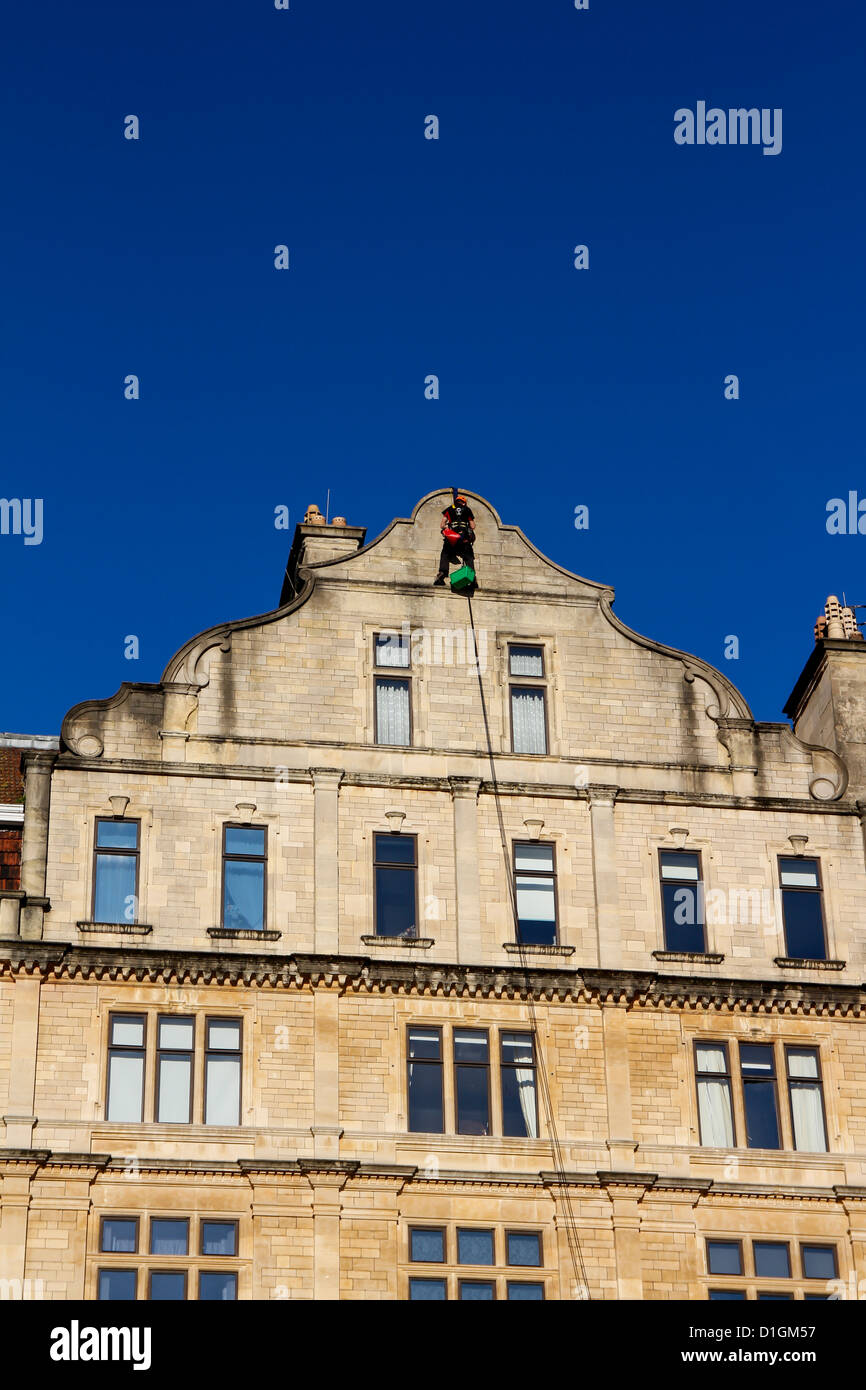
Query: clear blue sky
x=408 y=257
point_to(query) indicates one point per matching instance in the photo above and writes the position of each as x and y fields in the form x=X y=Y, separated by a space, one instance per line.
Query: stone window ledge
x=242 y=934
x=515 y=948
x=116 y=928
x=424 y=942
x=692 y=957
x=806 y=963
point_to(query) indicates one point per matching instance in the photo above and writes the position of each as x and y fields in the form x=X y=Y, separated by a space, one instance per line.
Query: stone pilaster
x=326 y=1128
x=20 y=1118
x=738 y=737
x=626 y=1191
x=38 y=767
x=464 y=795
x=617 y=1077
x=326 y=787
x=17 y=1169
x=327 y=1182
x=601 y=815
x=179 y=702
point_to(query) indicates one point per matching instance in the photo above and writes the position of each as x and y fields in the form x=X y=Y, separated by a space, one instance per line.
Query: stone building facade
x=403 y=945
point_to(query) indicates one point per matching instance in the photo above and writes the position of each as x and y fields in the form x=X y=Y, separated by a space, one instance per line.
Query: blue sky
x=409 y=256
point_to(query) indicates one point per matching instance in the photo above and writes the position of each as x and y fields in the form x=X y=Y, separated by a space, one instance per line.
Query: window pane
x=395 y=902
x=223 y=1098
x=219 y=1238
x=757 y=1065
x=537 y=857
x=475 y=1248
x=169 y=1237
x=128 y=1032
x=392 y=712
x=176 y=1033
x=117 y=1284
x=762 y=1125
x=475 y=1291
x=427 y=1290
x=802 y=1062
x=119 y=1236
x=470 y=1046
x=395 y=849
x=424 y=1042
x=167 y=1287
x=819 y=1262
x=804 y=925
x=726 y=1295
x=175 y=1082
x=392 y=649
x=723 y=1257
x=523 y=1248
x=117 y=834
x=125 y=1087
x=684 y=916
x=519 y=1113
x=526 y=1293
x=774 y=1297
x=223 y=1034
x=114 y=899
x=680 y=866
x=244 y=895
x=473 y=1113
x=425 y=1097
x=213 y=1287
x=527 y=715
x=517 y=1047
x=799 y=873
x=756 y=1060
x=711 y=1057
x=245 y=839
x=427 y=1247
x=526 y=661
x=771 y=1260
x=536 y=910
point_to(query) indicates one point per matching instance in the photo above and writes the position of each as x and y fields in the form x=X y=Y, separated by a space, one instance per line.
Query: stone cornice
x=362 y=974
x=56 y=1165
x=257 y=772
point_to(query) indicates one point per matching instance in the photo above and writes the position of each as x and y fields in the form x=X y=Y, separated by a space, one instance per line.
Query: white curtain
x=535 y=900
x=392 y=649
x=125 y=1085
x=807 y=1102
x=527 y=712
x=526 y=1091
x=717 y=1125
x=175 y=1079
x=807 y=1108
x=526 y=661
x=170 y=1242
x=392 y=712
x=714 y=1099
x=223 y=1099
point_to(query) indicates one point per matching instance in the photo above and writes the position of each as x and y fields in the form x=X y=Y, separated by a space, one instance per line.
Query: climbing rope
x=571 y=1235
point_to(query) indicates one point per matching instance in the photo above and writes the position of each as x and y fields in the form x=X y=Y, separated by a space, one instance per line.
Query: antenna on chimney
x=328 y=507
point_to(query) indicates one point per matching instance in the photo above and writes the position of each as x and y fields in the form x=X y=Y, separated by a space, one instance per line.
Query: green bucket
x=462 y=579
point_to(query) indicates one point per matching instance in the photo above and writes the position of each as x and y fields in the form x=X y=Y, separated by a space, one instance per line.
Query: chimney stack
x=828 y=704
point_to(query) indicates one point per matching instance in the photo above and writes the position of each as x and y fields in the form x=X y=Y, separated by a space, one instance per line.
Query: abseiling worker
x=458 y=537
